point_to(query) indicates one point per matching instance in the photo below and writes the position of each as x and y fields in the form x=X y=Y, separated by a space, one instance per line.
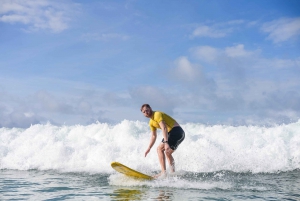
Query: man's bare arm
x=164 y=129
x=152 y=141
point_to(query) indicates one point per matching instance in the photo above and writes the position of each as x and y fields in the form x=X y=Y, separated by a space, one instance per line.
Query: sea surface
x=214 y=162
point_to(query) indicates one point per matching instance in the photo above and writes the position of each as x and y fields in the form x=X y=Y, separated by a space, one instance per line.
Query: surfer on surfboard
x=172 y=133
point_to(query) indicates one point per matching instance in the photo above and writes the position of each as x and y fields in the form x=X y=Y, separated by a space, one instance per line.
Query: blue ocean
x=214 y=162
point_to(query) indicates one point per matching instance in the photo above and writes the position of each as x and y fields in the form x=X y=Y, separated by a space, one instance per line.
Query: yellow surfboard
x=129 y=172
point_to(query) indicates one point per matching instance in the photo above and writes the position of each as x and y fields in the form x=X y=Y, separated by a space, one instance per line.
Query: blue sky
x=216 y=62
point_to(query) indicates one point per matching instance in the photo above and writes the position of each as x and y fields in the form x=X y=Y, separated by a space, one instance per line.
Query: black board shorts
x=175 y=137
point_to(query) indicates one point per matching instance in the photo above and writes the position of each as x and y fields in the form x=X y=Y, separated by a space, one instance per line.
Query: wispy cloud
x=206 y=53
x=36 y=15
x=279 y=30
x=282 y=29
x=211 y=54
x=237 y=51
x=216 y=30
x=155 y=96
x=244 y=80
x=278 y=63
x=238 y=56
x=73 y=103
x=206 y=31
x=186 y=71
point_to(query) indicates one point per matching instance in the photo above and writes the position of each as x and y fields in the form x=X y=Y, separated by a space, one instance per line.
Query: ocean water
x=214 y=162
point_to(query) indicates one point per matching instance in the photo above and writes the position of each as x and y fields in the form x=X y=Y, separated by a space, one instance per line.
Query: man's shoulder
x=158 y=112
x=158 y=116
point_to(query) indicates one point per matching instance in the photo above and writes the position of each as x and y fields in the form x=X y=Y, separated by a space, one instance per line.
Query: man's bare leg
x=161 y=158
x=171 y=160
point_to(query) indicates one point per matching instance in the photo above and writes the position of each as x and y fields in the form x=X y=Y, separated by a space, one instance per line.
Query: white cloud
x=206 y=53
x=276 y=63
x=237 y=51
x=217 y=30
x=238 y=55
x=248 y=83
x=37 y=15
x=206 y=31
x=19 y=118
x=185 y=70
x=156 y=97
x=76 y=102
x=51 y=104
x=215 y=55
x=191 y=78
x=282 y=29
x=278 y=30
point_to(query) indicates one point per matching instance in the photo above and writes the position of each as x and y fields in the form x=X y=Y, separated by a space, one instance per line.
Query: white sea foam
x=170 y=182
x=205 y=149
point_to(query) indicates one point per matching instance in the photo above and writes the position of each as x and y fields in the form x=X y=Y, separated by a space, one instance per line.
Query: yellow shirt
x=157 y=117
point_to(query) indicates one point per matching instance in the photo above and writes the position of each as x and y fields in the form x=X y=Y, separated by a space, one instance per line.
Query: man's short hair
x=145 y=105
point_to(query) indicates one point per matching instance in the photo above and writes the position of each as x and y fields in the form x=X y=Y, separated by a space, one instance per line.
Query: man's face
x=147 y=111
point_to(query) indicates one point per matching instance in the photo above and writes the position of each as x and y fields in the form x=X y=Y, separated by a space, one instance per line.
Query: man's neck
x=152 y=114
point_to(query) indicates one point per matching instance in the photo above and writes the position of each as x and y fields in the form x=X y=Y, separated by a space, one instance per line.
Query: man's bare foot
x=160 y=175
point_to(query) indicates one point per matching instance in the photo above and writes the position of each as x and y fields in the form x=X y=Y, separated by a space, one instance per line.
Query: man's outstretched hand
x=147 y=151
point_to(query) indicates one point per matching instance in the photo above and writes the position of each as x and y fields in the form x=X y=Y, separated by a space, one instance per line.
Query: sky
x=69 y=62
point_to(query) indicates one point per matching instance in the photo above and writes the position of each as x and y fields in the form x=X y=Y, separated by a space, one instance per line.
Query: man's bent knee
x=160 y=148
x=170 y=152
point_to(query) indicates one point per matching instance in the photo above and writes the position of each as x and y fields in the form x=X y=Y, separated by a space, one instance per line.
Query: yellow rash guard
x=157 y=117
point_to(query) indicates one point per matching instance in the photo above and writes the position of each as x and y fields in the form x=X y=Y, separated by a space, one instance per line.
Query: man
x=172 y=133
